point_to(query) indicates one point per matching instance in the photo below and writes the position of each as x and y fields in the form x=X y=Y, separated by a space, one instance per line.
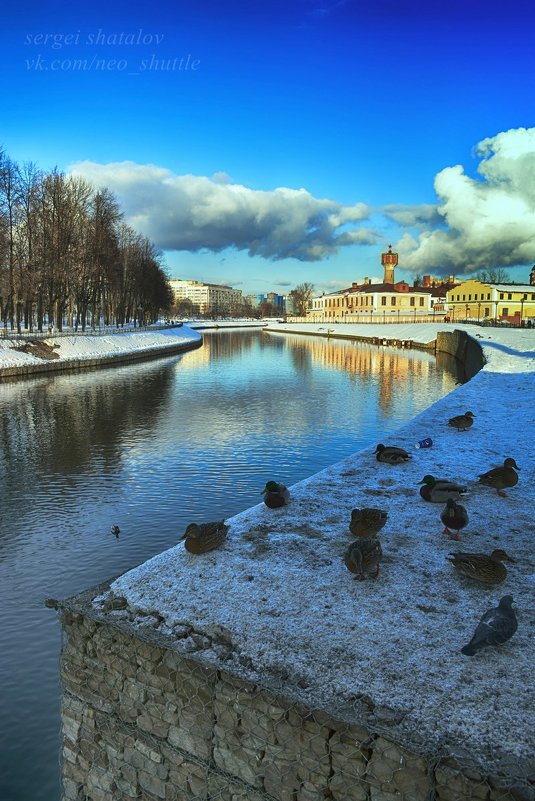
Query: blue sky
x=360 y=104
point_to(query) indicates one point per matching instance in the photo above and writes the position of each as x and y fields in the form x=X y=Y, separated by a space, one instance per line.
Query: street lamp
x=466 y=313
x=478 y=311
x=521 y=311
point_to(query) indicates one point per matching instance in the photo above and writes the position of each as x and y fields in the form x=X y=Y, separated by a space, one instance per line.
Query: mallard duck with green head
x=203 y=537
x=455 y=517
x=482 y=567
x=363 y=557
x=440 y=490
x=462 y=422
x=501 y=477
x=275 y=494
x=367 y=522
x=391 y=454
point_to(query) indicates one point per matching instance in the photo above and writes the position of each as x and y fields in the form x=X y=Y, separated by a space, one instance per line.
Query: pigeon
x=495 y=627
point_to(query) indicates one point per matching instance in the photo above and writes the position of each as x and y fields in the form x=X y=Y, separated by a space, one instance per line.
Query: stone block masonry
x=143 y=719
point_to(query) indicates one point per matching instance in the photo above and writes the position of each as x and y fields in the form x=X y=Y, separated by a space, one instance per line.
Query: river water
x=151 y=448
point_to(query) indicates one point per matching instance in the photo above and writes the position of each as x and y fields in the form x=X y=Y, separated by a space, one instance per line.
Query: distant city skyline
x=265 y=146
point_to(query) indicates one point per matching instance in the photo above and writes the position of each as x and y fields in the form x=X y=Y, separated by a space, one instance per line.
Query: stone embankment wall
x=145 y=720
x=463 y=347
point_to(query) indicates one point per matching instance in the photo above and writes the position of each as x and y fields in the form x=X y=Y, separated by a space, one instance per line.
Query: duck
x=115 y=530
x=363 y=556
x=275 y=494
x=203 y=537
x=479 y=566
x=367 y=522
x=500 y=477
x=391 y=454
x=455 y=517
x=440 y=490
x=495 y=627
x=462 y=421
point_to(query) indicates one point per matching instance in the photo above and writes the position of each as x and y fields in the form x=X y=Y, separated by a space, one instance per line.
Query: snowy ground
x=292 y=609
x=90 y=347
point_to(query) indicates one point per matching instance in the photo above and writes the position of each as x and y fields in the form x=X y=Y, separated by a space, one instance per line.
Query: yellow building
x=389 y=300
x=475 y=300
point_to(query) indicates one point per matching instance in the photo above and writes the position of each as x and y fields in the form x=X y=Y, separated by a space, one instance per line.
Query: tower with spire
x=389 y=261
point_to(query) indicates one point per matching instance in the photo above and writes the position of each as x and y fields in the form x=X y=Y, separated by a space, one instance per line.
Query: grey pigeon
x=495 y=627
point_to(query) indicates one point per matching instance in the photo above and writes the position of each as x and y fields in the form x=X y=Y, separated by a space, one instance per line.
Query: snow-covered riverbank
x=60 y=352
x=280 y=588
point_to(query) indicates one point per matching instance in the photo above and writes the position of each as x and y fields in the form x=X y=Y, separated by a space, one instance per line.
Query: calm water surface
x=151 y=448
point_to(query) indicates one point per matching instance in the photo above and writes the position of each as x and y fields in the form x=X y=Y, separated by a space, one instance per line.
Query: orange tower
x=389 y=261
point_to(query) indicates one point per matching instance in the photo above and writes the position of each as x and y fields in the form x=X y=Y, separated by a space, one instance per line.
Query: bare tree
x=493 y=276
x=301 y=297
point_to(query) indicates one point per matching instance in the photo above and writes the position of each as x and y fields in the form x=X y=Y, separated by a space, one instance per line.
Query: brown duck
x=479 y=566
x=391 y=454
x=455 y=517
x=363 y=556
x=367 y=522
x=203 y=537
x=501 y=477
x=461 y=421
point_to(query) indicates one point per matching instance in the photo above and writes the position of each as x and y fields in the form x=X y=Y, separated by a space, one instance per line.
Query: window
x=413 y=301
x=392 y=301
x=422 y=301
x=488 y=296
x=533 y=297
x=383 y=301
x=501 y=295
x=464 y=297
x=505 y=313
x=469 y=297
x=509 y=296
x=487 y=311
x=525 y=297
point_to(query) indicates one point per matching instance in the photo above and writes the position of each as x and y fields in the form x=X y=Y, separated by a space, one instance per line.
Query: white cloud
x=425 y=215
x=486 y=222
x=190 y=212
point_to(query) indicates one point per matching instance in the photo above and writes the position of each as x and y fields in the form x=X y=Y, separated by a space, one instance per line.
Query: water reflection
x=152 y=447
